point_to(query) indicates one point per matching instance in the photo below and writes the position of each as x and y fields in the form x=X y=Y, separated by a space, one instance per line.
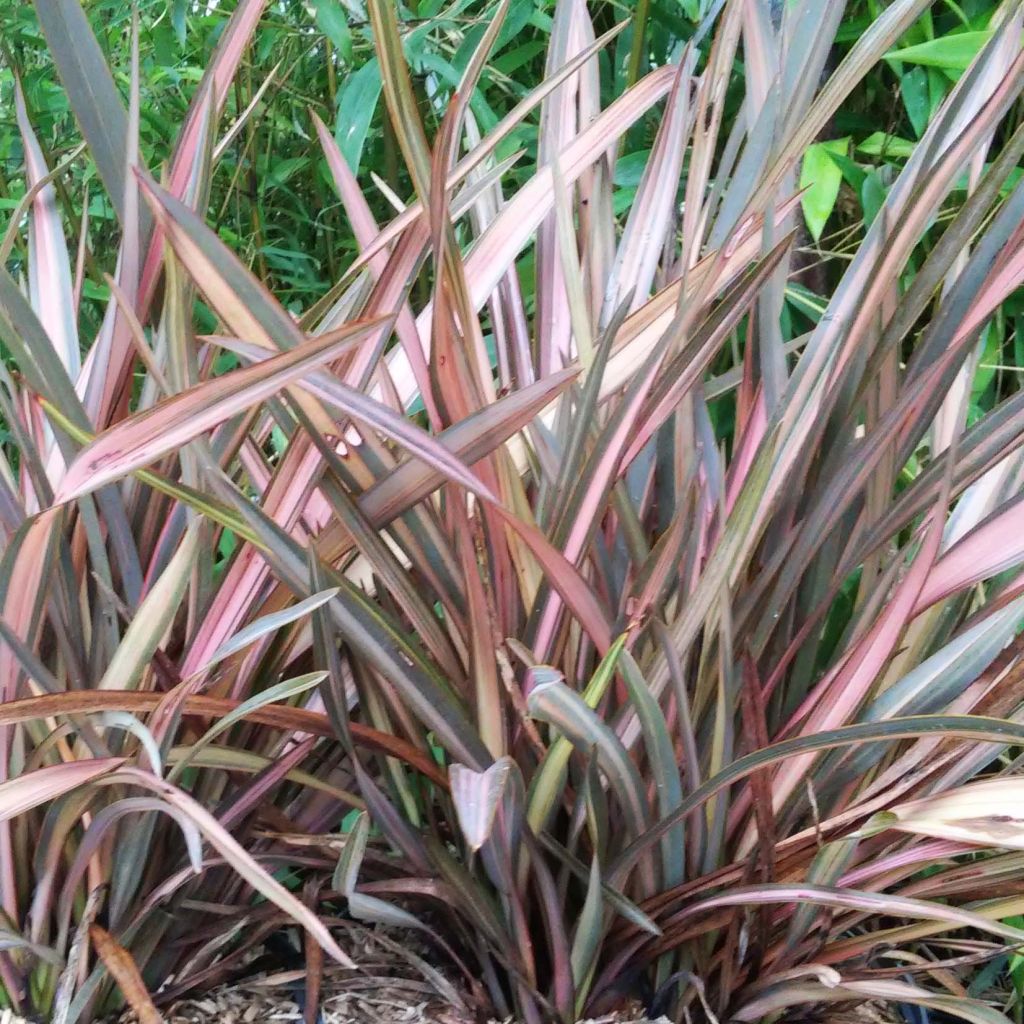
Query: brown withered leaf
x=126 y=973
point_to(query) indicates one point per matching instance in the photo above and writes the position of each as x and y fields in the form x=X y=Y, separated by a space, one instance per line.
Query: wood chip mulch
x=395 y=983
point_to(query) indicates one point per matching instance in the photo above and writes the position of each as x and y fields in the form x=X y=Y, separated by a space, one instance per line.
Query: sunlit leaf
x=953 y=52
x=820 y=178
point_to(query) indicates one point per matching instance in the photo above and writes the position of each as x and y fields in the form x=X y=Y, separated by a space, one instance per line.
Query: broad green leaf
x=872 y=197
x=938 y=88
x=331 y=20
x=820 y=178
x=179 y=12
x=882 y=144
x=512 y=60
x=916 y=98
x=953 y=52
x=871 y=43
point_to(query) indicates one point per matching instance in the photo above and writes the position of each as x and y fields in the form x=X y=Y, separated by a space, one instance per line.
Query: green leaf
x=548 y=781
x=516 y=20
x=916 y=98
x=629 y=169
x=951 y=53
x=357 y=103
x=853 y=173
x=281 y=171
x=586 y=941
x=662 y=766
x=821 y=177
x=938 y=87
x=509 y=63
x=553 y=702
x=986 y=370
x=883 y=144
x=872 y=196
x=179 y=9
x=331 y=20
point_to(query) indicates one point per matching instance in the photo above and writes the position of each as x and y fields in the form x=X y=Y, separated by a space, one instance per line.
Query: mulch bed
x=396 y=982
x=352 y=1000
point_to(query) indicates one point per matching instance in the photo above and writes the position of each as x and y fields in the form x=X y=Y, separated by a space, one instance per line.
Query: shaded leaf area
x=546 y=482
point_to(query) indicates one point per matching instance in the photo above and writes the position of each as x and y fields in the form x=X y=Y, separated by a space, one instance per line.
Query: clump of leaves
x=657 y=616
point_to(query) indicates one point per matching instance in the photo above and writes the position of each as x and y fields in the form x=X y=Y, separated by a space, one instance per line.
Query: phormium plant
x=660 y=613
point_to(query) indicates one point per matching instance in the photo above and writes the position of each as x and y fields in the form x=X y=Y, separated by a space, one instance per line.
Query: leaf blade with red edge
x=146 y=436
